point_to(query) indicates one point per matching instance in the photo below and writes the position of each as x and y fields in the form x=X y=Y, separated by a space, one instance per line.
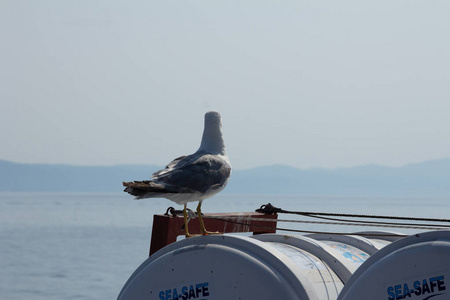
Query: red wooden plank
x=167 y=228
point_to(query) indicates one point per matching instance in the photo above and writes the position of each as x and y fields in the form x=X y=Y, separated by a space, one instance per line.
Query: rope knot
x=268 y=209
x=172 y=211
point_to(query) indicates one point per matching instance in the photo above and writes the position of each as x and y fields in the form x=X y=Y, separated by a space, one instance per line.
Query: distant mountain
x=431 y=178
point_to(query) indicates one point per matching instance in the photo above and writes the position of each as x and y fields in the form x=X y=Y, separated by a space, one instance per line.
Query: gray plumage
x=193 y=177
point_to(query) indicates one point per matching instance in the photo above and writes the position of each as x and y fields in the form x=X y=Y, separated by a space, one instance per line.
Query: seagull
x=194 y=177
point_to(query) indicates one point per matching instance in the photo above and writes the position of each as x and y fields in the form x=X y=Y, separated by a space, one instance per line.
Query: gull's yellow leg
x=202 y=225
x=186 y=231
x=199 y=214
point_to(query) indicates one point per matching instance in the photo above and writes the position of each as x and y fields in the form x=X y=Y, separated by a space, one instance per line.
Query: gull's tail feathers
x=145 y=189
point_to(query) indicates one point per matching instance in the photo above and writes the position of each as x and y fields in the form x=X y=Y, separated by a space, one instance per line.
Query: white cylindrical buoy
x=372 y=265
x=416 y=267
x=216 y=267
x=268 y=266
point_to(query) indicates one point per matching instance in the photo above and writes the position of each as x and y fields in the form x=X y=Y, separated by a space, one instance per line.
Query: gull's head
x=212 y=140
x=213 y=119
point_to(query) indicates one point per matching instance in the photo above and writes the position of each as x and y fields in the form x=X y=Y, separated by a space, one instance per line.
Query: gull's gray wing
x=198 y=173
x=169 y=167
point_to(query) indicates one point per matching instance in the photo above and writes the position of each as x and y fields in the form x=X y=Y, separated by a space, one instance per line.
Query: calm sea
x=85 y=246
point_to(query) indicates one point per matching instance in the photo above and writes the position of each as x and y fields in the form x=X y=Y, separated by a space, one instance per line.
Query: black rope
x=175 y=212
x=270 y=209
x=305 y=231
x=361 y=222
x=344 y=222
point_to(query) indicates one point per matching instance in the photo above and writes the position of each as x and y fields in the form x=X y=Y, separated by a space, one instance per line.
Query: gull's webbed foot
x=210 y=232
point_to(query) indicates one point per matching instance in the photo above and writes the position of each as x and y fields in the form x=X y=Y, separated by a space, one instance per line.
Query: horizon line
x=238 y=169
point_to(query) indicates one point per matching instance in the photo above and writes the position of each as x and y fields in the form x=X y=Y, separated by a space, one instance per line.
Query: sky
x=302 y=83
